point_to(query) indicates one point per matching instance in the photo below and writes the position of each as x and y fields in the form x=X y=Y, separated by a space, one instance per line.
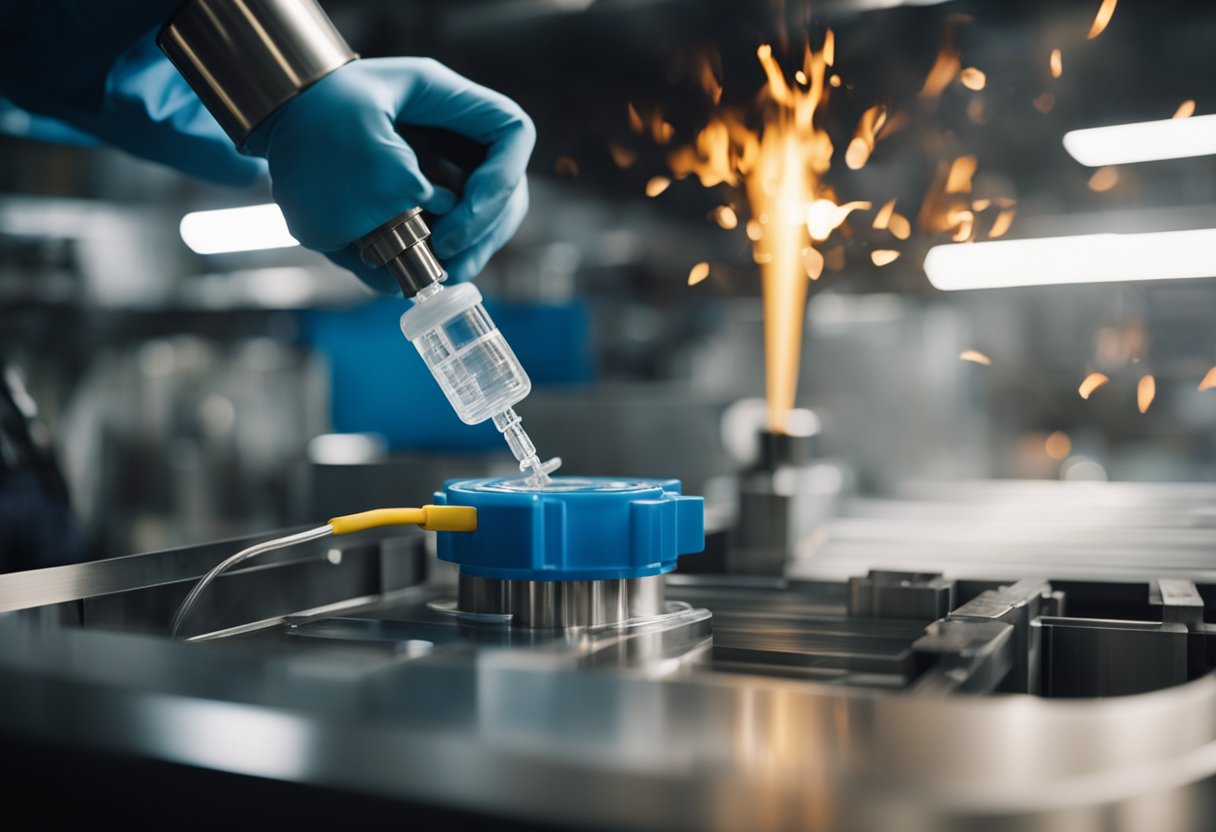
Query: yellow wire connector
x=430 y=518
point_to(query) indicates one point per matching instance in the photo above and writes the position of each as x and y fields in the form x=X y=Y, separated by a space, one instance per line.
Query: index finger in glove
x=443 y=98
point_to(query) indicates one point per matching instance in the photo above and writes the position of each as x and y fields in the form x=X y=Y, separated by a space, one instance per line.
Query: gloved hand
x=149 y=110
x=136 y=101
x=339 y=168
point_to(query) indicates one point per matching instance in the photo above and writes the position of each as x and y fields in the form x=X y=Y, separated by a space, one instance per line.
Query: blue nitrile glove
x=84 y=67
x=150 y=111
x=340 y=170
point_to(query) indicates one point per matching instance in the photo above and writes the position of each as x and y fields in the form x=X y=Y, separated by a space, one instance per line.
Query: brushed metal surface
x=245 y=58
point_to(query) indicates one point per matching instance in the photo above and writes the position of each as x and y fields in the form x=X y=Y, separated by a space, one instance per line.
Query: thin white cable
x=245 y=554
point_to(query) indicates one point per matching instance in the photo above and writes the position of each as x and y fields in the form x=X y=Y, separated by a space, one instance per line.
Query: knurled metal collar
x=402 y=232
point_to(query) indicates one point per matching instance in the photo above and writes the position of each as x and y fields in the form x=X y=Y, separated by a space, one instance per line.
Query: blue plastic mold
x=575 y=529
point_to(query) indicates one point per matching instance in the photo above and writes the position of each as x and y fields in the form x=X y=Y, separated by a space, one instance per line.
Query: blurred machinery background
x=931 y=475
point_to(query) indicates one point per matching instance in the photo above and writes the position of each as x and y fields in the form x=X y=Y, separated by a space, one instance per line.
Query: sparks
x=1056 y=63
x=975 y=357
x=883 y=218
x=1104 y=179
x=812 y=261
x=901 y=227
x=1146 y=391
x=1209 y=380
x=622 y=157
x=883 y=256
x=1091 y=383
x=635 y=119
x=1002 y=223
x=862 y=145
x=1185 y=110
x=1102 y=18
x=698 y=273
x=824 y=216
x=973 y=79
x=958 y=181
x=657 y=185
x=726 y=217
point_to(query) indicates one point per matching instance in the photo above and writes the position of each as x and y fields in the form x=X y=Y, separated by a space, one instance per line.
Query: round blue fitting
x=574 y=529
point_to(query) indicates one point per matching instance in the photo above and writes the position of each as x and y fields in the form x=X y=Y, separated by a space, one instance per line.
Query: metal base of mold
x=551 y=604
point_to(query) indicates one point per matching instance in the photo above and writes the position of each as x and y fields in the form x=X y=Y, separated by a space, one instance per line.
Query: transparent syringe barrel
x=466 y=353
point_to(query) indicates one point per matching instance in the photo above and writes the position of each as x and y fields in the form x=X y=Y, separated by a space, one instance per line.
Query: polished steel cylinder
x=556 y=604
x=400 y=244
x=245 y=58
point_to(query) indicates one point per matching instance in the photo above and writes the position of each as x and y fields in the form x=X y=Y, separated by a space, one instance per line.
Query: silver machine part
x=856 y=702
x=400 y=245
x=556 y=604
x=245 y=58
x=776 y=508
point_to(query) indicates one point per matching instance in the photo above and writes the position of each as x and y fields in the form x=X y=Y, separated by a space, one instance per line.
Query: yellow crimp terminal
x=431 y=518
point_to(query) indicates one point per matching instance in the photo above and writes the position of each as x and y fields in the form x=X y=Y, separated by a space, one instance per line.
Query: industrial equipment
x=921 y=668
x=827 y=550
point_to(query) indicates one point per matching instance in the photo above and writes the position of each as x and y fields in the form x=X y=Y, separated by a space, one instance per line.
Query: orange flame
x=1091 y=383
x=1102 y=18
x=779 y=167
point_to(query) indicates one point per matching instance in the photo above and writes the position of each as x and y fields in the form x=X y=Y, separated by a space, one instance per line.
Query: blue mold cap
x=575 y=529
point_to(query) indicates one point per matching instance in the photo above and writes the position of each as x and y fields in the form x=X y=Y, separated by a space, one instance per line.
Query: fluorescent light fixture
x=1146 y=141
x=250 y=228
x=1090 y=258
